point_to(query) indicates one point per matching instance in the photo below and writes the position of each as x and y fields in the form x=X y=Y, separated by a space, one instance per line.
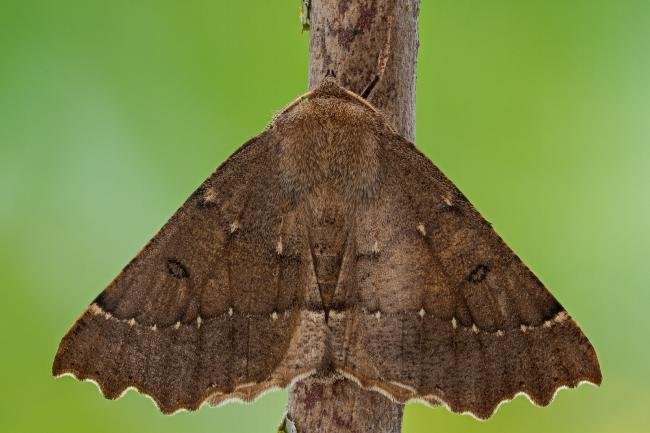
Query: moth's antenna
x=369 y=87
x=382 y=60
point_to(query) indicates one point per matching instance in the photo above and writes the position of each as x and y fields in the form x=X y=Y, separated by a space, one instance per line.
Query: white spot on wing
x=279 y=247
x=274 y=316
x=234 y=226
x=561 y=317
x=422 y=230
x=454 y=323
x=210 y=196
x=422 y=312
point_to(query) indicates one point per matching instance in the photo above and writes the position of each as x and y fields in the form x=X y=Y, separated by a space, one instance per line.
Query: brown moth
x=328 y=243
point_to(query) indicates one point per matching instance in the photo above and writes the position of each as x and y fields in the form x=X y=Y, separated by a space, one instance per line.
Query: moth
x=328 y=244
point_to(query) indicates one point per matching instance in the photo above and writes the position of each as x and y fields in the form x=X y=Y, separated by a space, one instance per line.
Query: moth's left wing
x=211 y=308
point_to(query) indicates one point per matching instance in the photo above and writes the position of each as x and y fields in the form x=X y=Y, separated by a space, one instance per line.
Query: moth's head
x=330 y=102
x=330 y=88
x=331 y=116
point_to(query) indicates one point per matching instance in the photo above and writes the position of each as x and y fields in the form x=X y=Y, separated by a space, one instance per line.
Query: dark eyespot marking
x=478 y=274
x=366 y=256
x=177 y=269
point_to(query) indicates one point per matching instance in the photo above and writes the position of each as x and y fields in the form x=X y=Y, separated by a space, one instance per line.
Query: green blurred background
x=111 y=113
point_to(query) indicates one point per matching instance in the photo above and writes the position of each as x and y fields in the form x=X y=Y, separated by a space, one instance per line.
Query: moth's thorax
x=329 y=140
x=329 y=153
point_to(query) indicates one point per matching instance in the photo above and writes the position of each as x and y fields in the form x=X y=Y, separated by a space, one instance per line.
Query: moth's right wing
x=211 y=308
x=440 y=309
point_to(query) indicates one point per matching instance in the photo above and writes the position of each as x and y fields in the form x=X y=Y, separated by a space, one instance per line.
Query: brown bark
x=371 y=46
x=334 y=404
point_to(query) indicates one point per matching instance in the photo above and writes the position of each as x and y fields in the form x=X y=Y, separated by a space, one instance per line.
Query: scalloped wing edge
x=217 y=399
x=433 y=400
x=214 y=399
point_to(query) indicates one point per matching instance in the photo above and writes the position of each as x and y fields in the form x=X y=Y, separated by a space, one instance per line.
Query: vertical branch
x=334 y=404
x=371 y=46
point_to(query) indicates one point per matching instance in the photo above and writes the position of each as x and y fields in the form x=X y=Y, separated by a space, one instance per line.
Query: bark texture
x=371 y=46
x=334 y=404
